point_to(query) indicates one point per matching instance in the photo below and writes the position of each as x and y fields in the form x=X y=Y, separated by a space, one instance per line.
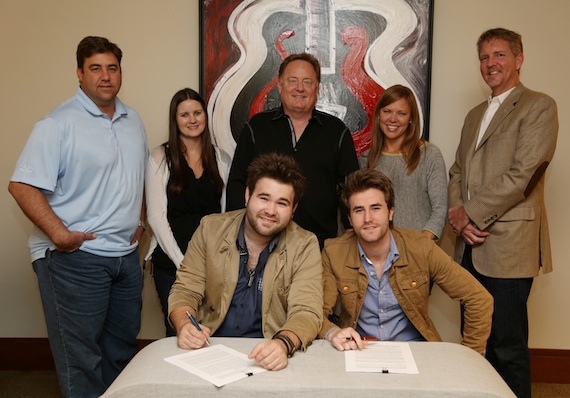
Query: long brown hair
x=411 y=144
x=174 y=148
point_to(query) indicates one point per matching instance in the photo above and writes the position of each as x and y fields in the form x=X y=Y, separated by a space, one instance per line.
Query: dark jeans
x=507 y=347
x=92 y=307
x=163 y=281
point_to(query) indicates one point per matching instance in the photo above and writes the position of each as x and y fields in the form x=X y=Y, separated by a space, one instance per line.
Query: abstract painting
x=363 y=46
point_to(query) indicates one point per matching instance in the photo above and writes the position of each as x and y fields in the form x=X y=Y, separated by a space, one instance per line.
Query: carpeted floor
x=43 y=384
x=28 y=384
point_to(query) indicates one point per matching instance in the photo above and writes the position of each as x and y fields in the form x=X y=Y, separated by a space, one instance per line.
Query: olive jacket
x=292 y=296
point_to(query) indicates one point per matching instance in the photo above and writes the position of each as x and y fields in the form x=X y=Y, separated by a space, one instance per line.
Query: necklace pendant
x=251 y=278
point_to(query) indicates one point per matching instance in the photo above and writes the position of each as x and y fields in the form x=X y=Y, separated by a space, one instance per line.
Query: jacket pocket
x=349 y=297
x=518 y=214
x=347 y=286
x=415 y=286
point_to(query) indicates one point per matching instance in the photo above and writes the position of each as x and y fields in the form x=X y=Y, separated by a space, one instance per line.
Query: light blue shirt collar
x=92 y=108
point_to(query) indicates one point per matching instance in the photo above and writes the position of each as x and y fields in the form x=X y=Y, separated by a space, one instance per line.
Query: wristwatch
x=142 y=224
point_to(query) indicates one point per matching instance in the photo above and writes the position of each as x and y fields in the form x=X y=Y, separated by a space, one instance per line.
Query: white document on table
x=382 y=357
x=217 y=364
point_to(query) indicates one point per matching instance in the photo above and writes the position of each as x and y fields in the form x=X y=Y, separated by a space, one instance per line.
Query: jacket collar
x=507 y=106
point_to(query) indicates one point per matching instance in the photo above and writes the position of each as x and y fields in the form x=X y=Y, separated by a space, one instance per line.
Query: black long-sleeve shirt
x=325 y=152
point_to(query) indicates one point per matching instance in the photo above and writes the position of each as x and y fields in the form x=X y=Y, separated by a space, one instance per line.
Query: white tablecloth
x=445 y=370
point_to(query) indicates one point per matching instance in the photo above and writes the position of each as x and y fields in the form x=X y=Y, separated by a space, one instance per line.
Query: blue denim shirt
x=244 y=315
x=381 y=315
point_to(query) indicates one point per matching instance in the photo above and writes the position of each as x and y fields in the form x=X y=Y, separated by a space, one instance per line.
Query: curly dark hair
x=278 y=167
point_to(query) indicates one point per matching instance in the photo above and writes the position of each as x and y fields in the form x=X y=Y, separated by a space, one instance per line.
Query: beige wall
x=160 y=43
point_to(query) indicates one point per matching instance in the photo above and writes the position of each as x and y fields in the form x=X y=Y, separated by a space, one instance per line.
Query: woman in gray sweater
x=416 y=167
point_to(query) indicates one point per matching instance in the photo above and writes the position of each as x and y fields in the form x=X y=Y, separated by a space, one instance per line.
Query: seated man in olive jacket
x=383 y=276
x=253 y=272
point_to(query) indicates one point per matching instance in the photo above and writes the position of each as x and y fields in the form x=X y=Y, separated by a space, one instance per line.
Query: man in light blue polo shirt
x=80 y=181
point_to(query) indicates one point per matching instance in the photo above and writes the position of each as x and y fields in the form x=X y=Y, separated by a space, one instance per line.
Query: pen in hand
x=365 y=338
x=350 y=338
x=196 y=325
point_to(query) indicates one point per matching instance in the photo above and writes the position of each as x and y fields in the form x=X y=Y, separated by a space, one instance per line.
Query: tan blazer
x=505 y=178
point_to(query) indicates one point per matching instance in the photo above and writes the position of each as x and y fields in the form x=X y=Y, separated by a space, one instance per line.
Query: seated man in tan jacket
x=253 y=272
x=383 y=276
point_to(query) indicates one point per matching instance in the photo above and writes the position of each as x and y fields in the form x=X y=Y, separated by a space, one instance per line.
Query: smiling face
x=298 y=87
x=370 y=216
x=269 y=208
x=499 y=65
x=394 y=122
x=191 y=119
x=100 y=79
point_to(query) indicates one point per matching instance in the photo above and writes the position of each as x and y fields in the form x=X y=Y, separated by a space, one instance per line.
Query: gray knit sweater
x=421 y=197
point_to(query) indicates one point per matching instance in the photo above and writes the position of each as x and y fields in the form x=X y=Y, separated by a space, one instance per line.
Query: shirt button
x=414 y=284
x=345 y=289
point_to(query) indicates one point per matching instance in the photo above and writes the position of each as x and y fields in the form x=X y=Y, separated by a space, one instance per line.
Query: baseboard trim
x=547 y=366
x=32 y=353
x=25 y=354
x=550 y=366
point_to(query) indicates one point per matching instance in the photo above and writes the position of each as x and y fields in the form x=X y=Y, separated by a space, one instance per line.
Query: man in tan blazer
x=496 y=198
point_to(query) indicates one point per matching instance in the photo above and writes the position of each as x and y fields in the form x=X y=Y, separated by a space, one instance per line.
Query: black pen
x=196 y=325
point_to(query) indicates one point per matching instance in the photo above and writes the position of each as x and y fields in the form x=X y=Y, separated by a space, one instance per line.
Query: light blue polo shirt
x=91 y=171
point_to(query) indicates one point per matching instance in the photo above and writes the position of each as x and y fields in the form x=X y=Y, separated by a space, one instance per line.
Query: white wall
x=457 y=86
x=160 y=44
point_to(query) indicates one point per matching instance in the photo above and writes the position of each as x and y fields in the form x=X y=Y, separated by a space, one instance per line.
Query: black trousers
x=507 y=347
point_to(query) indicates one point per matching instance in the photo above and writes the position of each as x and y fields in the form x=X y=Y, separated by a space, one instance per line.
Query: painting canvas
x=363 y=47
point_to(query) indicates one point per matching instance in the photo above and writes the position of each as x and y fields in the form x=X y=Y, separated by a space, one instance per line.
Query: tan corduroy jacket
x=421 y=262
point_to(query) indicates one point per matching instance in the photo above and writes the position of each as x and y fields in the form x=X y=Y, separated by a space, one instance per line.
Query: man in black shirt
x=321 y=144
